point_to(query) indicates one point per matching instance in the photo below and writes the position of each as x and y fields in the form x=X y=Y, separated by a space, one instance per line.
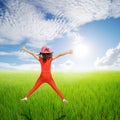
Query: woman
x=45 y=58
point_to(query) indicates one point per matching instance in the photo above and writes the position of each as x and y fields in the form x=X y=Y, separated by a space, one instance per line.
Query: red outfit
x=45 y=77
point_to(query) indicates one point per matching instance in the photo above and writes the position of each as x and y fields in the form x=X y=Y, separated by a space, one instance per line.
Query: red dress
x=45 y=77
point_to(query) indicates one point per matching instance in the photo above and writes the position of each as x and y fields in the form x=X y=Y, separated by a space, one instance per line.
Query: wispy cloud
x=110 y=59
x=41 y=21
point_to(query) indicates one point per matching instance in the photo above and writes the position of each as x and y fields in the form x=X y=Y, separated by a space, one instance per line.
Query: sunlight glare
x=80 y=50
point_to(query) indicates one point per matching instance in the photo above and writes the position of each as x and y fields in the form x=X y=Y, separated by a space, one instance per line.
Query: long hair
x=45 y=56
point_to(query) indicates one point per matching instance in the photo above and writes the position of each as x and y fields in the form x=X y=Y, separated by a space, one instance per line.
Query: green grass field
x=91 y=95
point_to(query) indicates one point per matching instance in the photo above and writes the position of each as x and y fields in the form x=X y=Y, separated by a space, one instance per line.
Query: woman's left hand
x=23 y=48
x=70 y=51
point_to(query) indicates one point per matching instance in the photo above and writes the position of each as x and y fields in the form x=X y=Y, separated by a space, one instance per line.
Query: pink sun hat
x=45 y=49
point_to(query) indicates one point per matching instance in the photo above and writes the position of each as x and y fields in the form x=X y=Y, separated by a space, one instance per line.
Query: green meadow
x=91 y=95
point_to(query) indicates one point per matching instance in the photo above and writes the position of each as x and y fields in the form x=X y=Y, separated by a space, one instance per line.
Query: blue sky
x=90 y=28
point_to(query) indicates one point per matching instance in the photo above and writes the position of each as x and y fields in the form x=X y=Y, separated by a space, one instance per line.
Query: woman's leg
x=37 y=84
x=53 y=85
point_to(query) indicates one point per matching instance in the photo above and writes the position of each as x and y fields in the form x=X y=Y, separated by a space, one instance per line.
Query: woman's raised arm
x=30 y=52
x=63 y=53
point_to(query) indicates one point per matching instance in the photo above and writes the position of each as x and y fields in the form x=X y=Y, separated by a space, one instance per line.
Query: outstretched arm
x=62 y=54
x=30 y=52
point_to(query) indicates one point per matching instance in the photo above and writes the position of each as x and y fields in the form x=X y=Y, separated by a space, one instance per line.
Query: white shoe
x=24 y=99
x=65 y=101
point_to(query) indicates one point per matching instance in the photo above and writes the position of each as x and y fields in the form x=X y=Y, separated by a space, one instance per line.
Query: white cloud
x=75 y=37
x=8 y=53
x=20 y=55
x=110 y=59
x=30 y=66
x=27 y=19
x=9 y=66
x=67 y=65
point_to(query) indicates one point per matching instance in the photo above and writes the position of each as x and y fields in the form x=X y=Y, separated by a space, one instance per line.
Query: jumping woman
x=45 y=58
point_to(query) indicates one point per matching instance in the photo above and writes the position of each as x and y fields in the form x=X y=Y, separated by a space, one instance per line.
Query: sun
x=80 y=50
